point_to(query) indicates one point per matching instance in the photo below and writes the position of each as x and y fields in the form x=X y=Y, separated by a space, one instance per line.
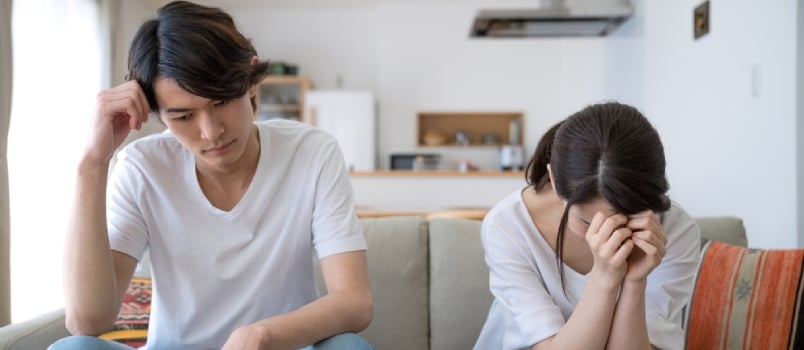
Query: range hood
x=556 y=18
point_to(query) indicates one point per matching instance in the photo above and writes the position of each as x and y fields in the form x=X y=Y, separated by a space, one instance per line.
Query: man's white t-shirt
x=530 y=304
x=214 y=271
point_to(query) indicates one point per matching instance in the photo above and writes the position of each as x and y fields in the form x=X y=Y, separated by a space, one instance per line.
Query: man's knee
x=85 y=342
x=343 y=341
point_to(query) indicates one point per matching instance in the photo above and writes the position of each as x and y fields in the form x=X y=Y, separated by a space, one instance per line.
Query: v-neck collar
x=192 y=178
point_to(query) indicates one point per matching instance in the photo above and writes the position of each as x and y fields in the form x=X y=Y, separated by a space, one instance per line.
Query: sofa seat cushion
x=131 y=327
x=747 y=299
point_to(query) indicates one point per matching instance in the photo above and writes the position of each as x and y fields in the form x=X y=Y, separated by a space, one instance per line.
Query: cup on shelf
x=433 y=138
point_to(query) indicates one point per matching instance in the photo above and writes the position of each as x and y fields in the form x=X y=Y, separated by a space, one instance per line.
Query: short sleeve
x=125 y=223
x=335 y=226
x=518 y=287
x=670 y=285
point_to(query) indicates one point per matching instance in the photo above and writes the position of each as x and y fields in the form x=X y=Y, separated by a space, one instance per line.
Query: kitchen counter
x=463 y=213
x=399 y=192
x=437 y=173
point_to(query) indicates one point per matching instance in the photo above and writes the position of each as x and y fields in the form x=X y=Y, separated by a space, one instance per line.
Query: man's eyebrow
x=177 y=110
x=185 y=109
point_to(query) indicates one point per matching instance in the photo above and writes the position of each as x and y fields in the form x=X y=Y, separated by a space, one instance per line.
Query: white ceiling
x=329 y=3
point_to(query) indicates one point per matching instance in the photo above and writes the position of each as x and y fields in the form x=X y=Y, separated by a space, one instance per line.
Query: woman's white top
x=530 y=304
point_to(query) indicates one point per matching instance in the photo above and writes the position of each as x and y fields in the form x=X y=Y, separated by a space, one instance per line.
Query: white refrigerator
x=349 y=115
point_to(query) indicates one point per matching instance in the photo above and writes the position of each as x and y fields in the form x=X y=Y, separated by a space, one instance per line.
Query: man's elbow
x=86 y=325
x=364 y=313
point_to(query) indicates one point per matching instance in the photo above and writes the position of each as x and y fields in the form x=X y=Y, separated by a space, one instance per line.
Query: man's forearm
x=89 y=277
x=329 y=315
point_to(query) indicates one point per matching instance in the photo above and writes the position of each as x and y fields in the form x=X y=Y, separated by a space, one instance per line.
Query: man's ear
x=252 y=91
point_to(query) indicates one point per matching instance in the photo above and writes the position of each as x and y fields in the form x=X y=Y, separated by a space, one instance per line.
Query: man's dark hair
x=197 y=46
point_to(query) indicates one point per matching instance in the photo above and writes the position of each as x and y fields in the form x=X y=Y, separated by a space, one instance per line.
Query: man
x=230 y=210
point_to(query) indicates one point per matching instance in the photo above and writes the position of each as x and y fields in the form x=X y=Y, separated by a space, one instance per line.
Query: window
x=57 y=74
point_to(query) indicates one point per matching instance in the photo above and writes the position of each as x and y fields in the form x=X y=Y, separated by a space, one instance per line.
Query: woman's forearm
x=629 y=329
x=589 y=325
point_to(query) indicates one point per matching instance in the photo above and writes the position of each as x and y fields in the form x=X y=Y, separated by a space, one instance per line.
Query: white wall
x=800 y=122
x=729 y=152
x=418 y=57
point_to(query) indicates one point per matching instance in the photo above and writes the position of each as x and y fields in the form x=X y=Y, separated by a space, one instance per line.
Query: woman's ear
x=553 y=184
x=552 y=179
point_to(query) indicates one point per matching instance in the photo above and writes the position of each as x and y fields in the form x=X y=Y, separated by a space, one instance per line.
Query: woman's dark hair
x=607 y=151
x=200 y=48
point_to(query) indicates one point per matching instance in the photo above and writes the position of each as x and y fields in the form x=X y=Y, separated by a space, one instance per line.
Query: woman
x=591 y=254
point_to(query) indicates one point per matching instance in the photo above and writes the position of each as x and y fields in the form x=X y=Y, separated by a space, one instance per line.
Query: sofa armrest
x=37 y=333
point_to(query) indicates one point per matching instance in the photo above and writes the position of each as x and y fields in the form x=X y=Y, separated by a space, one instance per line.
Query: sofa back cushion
x=459 y=284
x=728 y=229
x=397 y=264
x=747 y=299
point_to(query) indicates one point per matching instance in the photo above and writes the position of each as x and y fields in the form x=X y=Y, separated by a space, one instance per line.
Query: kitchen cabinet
x=283 y=97
x=472 y=129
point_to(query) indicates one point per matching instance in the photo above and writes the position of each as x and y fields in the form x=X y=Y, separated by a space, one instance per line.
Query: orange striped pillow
x=747 y=299
x=131 y=327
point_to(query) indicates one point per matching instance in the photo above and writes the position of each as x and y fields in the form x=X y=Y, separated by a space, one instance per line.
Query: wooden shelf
x=475 y=125
x=285 y=79
x=283 y=96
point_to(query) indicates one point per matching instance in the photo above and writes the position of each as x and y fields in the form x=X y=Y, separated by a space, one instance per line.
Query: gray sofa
x=429 y=280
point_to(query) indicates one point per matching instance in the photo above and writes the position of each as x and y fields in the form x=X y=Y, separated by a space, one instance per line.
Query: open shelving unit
x=478 y=127
x=283 y=96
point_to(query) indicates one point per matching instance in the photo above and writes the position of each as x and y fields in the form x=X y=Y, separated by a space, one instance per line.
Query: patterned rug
x=131 y=327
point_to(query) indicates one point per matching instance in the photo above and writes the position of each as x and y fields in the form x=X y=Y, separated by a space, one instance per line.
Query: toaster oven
x=406 y=161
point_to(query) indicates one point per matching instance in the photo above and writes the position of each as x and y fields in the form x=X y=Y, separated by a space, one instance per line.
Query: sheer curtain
x=58 y=71
x=5 y=110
